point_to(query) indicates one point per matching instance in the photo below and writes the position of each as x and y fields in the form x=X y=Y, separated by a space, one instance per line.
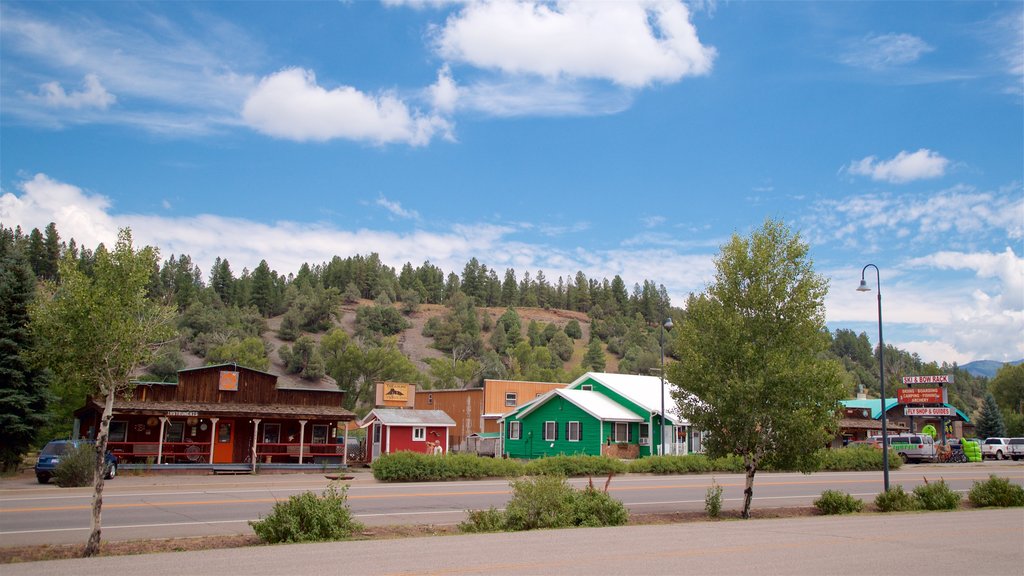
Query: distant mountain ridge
x=987 y=368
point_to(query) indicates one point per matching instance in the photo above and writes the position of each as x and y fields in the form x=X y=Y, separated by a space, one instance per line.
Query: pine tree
x=23 y=390
x=594 y=359
x=990 y=421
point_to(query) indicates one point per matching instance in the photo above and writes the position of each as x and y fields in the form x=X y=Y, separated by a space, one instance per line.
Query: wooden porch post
x=344 y=450
x=255 y=436
x=213 y=436
x=160 y=446
x=302 y=438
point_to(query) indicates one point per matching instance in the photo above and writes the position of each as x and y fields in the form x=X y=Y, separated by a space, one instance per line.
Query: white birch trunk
x=92 y=547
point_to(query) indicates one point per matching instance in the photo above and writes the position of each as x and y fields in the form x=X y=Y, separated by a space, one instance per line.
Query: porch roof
x=596 y=404
x=288 y=411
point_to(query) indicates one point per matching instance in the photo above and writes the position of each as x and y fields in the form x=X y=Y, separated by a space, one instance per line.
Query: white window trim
x=615 y=431
x=554 y=427
x=569 y=431
x=511 y=397
x=514 y=430
x=419 y=433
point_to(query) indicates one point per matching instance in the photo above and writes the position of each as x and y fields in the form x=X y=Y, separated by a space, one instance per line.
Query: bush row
x=929 y=496
x=416 y=467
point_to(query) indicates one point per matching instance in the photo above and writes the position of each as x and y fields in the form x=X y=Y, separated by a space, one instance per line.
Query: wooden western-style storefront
x=225 y=414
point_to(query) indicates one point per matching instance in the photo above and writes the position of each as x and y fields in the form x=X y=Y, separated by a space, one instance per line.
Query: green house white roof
x=594 y=403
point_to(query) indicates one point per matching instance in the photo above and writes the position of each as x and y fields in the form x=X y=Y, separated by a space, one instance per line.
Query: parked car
x=914 y=447
x=997 y=448
x=1015 y=449
x=50 y=455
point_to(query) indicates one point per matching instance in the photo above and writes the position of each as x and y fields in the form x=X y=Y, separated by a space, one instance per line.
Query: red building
x=224 y=414
x=394 y=430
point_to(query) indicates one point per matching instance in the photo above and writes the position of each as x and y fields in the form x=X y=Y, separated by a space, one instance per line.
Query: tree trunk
x=92 y=547
x=748 y=492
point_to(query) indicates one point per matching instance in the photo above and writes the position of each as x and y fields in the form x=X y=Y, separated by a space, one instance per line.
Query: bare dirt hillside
x=418 y=347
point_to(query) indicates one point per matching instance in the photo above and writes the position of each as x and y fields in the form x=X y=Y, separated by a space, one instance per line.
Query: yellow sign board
x=396 y=392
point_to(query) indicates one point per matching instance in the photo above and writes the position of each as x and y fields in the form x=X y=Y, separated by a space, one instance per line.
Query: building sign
x=919 y=396
x=182 y=413
x=396 y=392
x=929 y=411
x=941 y=379
x=228 y=381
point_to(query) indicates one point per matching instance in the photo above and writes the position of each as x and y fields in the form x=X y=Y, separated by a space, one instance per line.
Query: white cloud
x=396 y=209
x=92 y=95
x=444 y=94
x=167 y=79
x=904 y=167
x=958 y=215
x=90 y=218
x=886 y=51
x=632 y=44
x=1006 y=267
x=290 y=104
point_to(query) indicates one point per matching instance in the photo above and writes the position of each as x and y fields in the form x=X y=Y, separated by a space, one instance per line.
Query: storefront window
x=118 y=431
x=174 y=432
x=271 y=433
x=319 y=433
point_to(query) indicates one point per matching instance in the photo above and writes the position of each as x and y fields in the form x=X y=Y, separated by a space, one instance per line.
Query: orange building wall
x=464 y=406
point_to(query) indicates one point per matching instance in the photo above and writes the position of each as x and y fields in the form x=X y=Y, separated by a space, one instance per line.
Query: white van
x=914 y=447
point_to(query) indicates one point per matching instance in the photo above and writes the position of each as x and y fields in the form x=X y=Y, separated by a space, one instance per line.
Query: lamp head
x=668 y=323
x=863 y=286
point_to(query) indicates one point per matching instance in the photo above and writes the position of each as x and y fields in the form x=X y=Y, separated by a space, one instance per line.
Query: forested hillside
x=358 y=321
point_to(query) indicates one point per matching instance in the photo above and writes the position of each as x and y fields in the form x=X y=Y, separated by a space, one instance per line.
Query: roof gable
x=398 y=417
x=596 y=404
x=646 y=392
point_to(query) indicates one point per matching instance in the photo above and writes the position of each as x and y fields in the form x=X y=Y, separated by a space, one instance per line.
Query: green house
x=610 y=414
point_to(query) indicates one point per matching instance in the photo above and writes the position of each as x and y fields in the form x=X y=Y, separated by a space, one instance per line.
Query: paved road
x=173 y=506
x=160 y=506
x=976 y=542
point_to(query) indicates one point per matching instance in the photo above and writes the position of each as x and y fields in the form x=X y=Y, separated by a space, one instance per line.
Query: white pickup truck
x=1016 y=448
x=998 y=448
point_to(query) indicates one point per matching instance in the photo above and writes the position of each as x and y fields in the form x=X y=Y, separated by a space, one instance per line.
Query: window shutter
x=579 y=431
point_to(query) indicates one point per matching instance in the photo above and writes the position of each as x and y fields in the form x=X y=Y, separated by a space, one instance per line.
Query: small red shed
x=395 y=430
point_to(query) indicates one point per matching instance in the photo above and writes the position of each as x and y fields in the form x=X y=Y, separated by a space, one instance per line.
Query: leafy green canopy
x=751 y=349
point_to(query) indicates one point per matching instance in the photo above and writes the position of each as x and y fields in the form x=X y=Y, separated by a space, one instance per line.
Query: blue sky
x=608 y=137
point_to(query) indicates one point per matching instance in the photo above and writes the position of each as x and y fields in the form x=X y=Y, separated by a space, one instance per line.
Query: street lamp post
x=666 y=326
x=881 y=368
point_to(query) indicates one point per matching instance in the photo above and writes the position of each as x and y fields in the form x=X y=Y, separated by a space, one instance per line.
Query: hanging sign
x=928 y=411
x=941 y=379
x=919 y=396
x=228 y=381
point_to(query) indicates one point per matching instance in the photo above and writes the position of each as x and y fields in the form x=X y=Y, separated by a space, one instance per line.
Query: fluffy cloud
x=631 y=44
x=168 y=78
x=89 y=218
x=290 y=104
x=885 y=51
x=92 y=95
x=960 y=214
x=396 y=209
x=444 y=94
x=905 y=167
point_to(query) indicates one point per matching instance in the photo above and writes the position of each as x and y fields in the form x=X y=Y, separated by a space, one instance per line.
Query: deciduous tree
x=97 y=331
x=750 y=350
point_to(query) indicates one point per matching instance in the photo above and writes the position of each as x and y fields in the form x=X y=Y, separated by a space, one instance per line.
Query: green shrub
x=688 y=464
x=730 y=463
x=858 y=457
x=408 y=467
x=547 y=501
x=76 y=467
x=540 y=502
x=490 y=520
x=838 y=502
x=895 y=500
x=576 y=465
x=713 y=499
x=996 y=492
x=473 y=466
x=936 y=496
x=593 y=507
x=307 y=517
